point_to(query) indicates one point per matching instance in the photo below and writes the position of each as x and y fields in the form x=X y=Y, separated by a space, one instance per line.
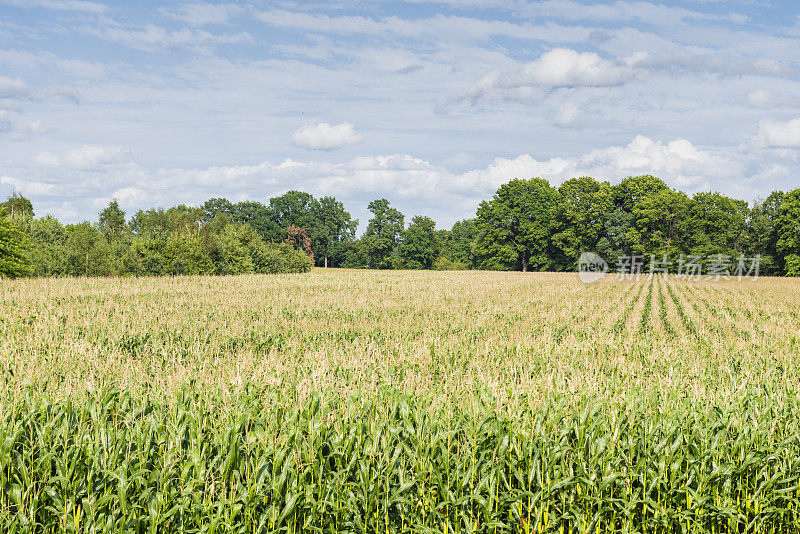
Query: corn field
x=362 y=401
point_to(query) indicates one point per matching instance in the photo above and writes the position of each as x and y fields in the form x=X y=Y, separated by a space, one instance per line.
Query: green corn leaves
x=394 y=464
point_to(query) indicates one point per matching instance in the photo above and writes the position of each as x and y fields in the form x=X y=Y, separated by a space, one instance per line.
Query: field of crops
x=363 y=401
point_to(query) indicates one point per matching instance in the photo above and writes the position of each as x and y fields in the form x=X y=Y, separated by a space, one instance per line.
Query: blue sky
x=431 y=104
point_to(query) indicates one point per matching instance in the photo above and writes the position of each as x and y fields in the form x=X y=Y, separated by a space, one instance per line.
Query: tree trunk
x=524 y=264
x=326 y=262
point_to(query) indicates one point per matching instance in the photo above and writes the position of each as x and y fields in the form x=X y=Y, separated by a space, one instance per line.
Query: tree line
x=528 y=225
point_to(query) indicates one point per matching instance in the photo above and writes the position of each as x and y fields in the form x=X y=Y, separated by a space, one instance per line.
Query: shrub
x=443 y=264
x=279 y=258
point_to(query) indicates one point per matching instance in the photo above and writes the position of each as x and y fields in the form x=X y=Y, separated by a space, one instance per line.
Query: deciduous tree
x=515 y=226
x=420 y=246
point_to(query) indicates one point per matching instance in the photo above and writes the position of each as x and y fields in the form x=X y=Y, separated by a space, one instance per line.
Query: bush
x=443 y=264
x=233 y=249
x=186 y=254
x=269 y=258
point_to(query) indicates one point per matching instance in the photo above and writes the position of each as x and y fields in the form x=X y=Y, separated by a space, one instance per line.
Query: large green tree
x=660 y=224
x=293 y=208
x=258 y=217
x=383 y=234
x=658 y=217
x=583 y=204
x=334 y=228
x=14 y=259
x=112 y=221
x=788 y=232
x=420 y=245
x=515 y=226
x=717 y=224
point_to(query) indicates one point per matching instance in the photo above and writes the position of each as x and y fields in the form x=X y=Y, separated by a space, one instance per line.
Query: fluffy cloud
x=779 y=134
x=324 y=136
x=560 y=67
x=679 y=162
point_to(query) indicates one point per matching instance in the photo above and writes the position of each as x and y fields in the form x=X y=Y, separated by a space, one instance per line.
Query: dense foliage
x=176 y=241
x=14 y=261
x=528 y=225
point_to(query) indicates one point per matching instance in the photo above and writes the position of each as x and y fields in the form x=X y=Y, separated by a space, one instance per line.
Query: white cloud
x=779 y=134
x=324 y=136
x=413 y=184
x=679 y=162
x=560 y=67
x=12 y=88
